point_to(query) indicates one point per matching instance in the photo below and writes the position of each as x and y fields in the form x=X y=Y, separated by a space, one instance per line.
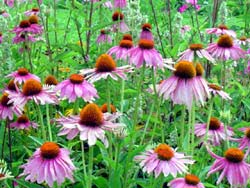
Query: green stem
x=91 y=154
x=83 y=163
x=208 y=118
x=122 y=95
x=76 y=107
x=193 y=124
x=48 y=123
x=183 y=112
x=108 y=95
x=42 y=123
x=189 y=129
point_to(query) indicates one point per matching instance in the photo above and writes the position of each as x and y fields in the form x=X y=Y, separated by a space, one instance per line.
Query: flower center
x=105 y=63
x=22 y=71
x=22 y=119
x=185 y=69
x=91 y=115
x=127 y=37
x=33 y=19
x=234 y=155
x=192 y=179
x=24 y=24
x=146 y=44
x=214 y=123
x=104 y=108
x=126 y=44
x=243 y=38
x=214 y=87
x=2 y=175
x=35 y=9
x=117 y=16
x=199 y=69
x=222 y=26
x=1 y=34
x=225 y=41
x=49 y=150
x=195 y=47
x=76 y=78
x=11 y=85
x=103 y=32
x=4 y=100
x=146 y=27
x=164 y=152
x=51 y=80
x=247 y=133
x=32 y=87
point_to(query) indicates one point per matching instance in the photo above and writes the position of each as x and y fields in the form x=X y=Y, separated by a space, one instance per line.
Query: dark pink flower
x=183 y=8
x=120 y=24
x=103 y=37
x=121 y=51
x=21 y=75
x=23 y=122
x=189 y=181
x=9 y=3
x=146 y=32
x=221 y=30
x=33 y=11
x=120 y=3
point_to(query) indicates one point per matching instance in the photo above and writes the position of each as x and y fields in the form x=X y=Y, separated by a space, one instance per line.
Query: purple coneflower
x=9 y=3
x=163 y=159
x=37 y=29
x=225 y=49
x=112 y=115
x=107 y=4
x=24 y=27
x=217 y=132
x=23 y=122
x=105 y=66
x=217 y=90
x=120 y=25
x=121 y=51
x=49 y=164
x=33 y=90
x=195 y=50
x=24 y=38
x=75 y=87
x=243 y=40
x=120 y=3
x=245 y=141
x=146 y=32
x=232 y=165
x=183 y=8
x=221 y=30
x=50 y=80
x=103 y=37
x=91 y=124
x=145 y=53
x=7 y=109
x=21 y=75
x=33 y=11
x=190 y=181
x=11 y=87
x=184 y=86
x=4 y=14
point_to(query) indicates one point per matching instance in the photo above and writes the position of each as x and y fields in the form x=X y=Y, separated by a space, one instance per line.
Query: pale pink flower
x=4 y=14
x=225 y=49
x=145 y=53
x=244 y=141
x=49 y=164
x=163 y=159
x=21 y=75
x=75 y=87
x=146 y=32
x=120 y=25
x=107 y=4
x=90 y=124
x=189 y=181
x=33 y=11
x=185 y=86
x=103 y=37
x=233 y=167
x=105 y=67
x=217 y=90
x=120 y=3
x=9 y=3
x=184 y=29
x=221 y=30
x=23 y=122
x=26 y=26
x=217 y=131
x=243 y=40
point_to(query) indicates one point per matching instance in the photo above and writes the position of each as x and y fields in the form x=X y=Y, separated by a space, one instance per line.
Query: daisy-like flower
x=50 y=80
x=233 y=167
x=190 y=181
x=4 y=14
x=37 y=29
x=33 y=11
x=21 y=75
x=5 y=174
x=184 y=87
x=163 y=159
x=33 y=90
x=49 y=164
x=221 y=30
x=217 y=90
x=7 y=109
x=146 y=32
x=243 y=40
x=120 y=3
x=75 y=87
x=1 y=37
x=91 y=124
x=245 y=141
x=112 y=115
x=9 y=3
x=23 y=122
x=24 y=27
x=103 y=37
x=195 y=50
x=145 y=53
x=184 y=29
x=105 y=66
x=216 y=131
x=120 y=25
x=225 y=49
x=121 y=51
x=24 y=38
